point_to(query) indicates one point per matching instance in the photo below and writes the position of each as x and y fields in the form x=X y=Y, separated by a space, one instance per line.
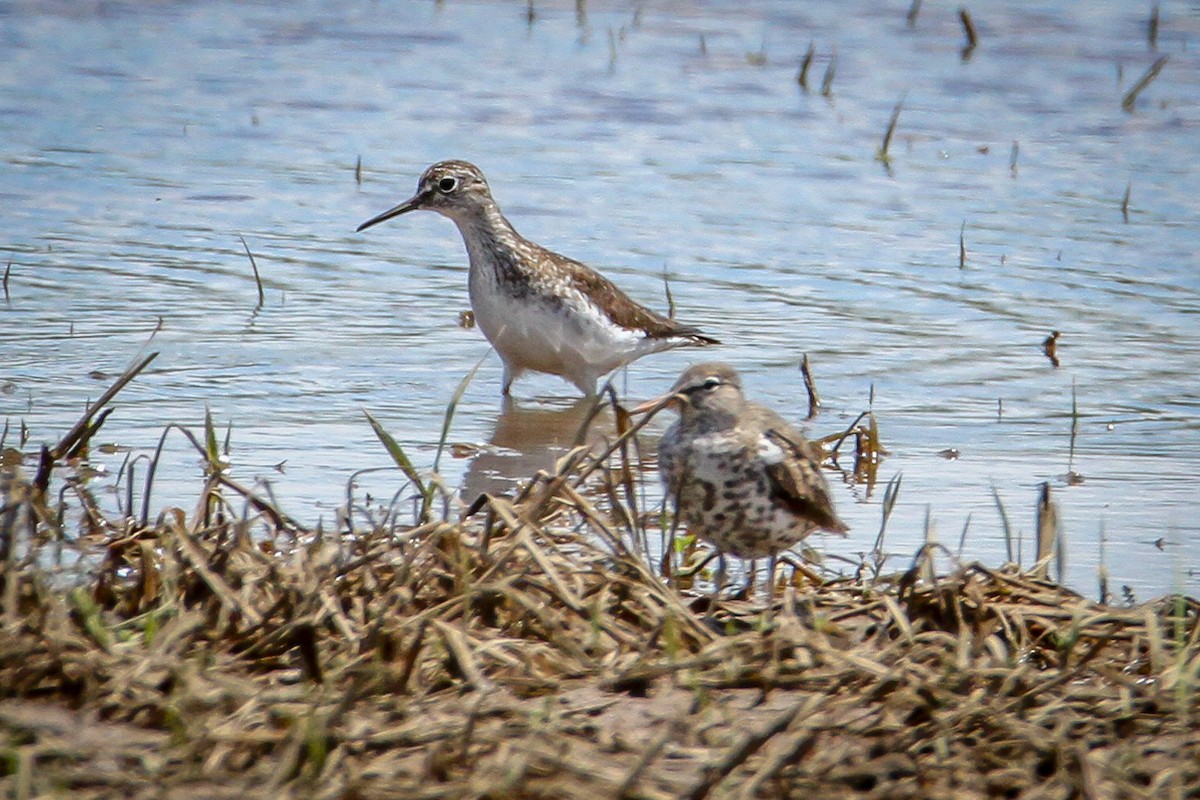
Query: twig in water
x=254 y=266
x=805 y=63
x=913 y=11
x=83 y=428
x=1047 y=531
x=1012 y=158
x=962 y=246
x=7 y=270
x=969 y=29
x=1074 y=433
x=1127 y=102
x=358 y=171
x=1152 y=28
x=1124 y=202
x=882 y=155
x=1050 y=347
x=1102 y=570
x=814 y=399
x=667 y=291
x=827 y=81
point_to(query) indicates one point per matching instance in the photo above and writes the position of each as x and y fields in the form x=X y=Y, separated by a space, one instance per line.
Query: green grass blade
x=454 y=401
x=396 y=452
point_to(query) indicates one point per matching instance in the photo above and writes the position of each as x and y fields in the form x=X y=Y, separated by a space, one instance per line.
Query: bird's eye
x=711 y=382
x=447 y=185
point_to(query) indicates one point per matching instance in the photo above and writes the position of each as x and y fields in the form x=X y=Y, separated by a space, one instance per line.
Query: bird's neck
x=712 y=419
x=487 y=235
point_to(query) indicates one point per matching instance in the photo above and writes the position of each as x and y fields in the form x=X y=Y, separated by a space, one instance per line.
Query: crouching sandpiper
x=741 y=477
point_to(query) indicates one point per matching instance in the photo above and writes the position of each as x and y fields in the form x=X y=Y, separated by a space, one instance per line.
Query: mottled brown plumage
x=541 y=311
x=741 y=478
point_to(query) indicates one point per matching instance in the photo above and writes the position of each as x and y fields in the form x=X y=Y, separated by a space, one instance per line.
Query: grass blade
x=450 y=408
x=396 y=452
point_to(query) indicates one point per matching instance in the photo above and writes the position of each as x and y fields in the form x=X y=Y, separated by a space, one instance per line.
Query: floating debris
x=1050 y=347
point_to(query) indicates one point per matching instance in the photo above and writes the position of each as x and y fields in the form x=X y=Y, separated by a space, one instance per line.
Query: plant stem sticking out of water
x=1124 y=200
x=358 y=171
x=7 y=270
x=1047 y=531
x=84 y=429
x=1008 y=537
x=830 y=71
x=814 y=399
x=962 y=539
x=667 y=291
x=882 y=155
x=805 y=63
x=913 y=11
x=398 y=456
x=253 y=266
x=1152 y=28
x=890 y=495
x=452 y=405
x=1130 y=98
x=962 y=246
x=1074 y=433
x=969 y=29
x=1102 y=569
x=1012 y=158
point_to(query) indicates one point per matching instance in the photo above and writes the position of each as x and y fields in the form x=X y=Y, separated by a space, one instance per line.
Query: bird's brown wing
x=796 y=479
x=625 y=311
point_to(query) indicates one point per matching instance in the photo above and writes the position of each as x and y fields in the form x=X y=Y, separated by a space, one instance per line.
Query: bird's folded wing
x=796 y=480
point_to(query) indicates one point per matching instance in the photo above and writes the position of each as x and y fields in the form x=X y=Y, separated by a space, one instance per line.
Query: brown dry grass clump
x=531 y=652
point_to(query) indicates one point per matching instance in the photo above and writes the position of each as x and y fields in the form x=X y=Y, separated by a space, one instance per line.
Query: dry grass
x=531 y=651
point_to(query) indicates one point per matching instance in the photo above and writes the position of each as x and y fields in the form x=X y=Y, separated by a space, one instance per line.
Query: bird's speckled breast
x=723 y=493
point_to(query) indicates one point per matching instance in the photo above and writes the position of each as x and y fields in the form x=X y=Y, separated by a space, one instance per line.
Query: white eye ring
x=711 y=382
x=447 y=185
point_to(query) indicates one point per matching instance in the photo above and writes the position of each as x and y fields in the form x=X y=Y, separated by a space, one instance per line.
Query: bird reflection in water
x=528 y=438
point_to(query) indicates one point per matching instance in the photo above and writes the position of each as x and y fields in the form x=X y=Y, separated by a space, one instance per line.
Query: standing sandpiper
x=742 y=478
x=541 y=311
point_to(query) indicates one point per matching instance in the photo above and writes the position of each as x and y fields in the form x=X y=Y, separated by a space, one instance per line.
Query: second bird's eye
x=447 y=185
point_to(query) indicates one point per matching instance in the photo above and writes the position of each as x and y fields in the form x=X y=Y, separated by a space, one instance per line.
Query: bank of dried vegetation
x=532 y=651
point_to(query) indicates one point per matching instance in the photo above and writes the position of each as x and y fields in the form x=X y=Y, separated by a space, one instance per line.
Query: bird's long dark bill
x=408 y=205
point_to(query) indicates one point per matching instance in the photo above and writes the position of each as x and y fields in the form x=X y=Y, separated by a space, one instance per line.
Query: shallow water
x=141 y=140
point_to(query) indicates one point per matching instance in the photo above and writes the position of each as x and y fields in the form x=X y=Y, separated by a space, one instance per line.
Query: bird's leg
x=751 y=575
x=770 y=612
x=718 y=584
x=510 y=374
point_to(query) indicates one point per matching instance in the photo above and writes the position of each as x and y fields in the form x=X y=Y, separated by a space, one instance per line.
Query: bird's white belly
x=558 y=337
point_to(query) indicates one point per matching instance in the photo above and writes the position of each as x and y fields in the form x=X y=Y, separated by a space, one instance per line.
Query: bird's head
x=455 y=189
